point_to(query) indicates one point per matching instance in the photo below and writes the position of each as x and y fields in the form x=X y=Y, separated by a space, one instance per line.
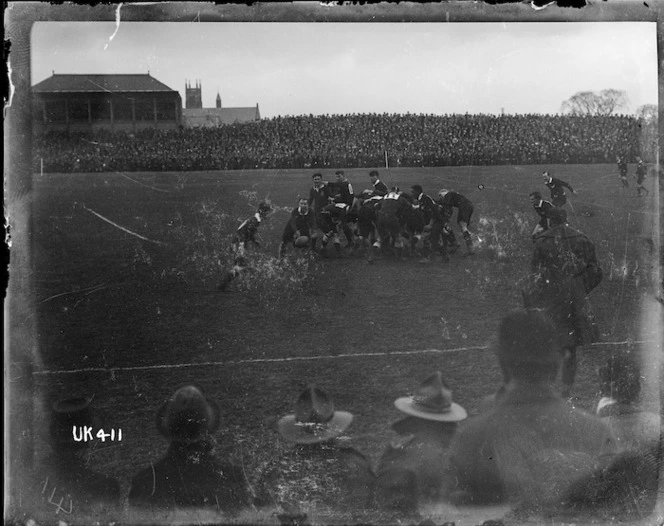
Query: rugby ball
x=301 y=242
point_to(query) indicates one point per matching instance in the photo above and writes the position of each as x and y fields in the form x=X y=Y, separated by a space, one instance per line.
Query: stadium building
x=88 y=103
x=195 y=116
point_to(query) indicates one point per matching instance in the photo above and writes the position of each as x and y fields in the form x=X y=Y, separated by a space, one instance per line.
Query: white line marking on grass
x=294 y=359
x=142 y=184
x=121 y=227
x=87 y=291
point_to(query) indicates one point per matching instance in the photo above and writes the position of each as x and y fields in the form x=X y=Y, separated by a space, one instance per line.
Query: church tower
x=193 y=95
x=218 y=100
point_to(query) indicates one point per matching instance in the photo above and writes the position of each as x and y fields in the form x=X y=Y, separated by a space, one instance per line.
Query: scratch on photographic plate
x=117 y=25
x=11 y=84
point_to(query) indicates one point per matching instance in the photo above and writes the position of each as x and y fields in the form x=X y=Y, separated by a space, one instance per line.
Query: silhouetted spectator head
x=314 y=419
x=528 y=348
x=68 y=414
x=188 y=416
x=620 y=379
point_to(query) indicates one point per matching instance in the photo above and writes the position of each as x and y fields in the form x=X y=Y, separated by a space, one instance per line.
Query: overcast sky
x=318 y=68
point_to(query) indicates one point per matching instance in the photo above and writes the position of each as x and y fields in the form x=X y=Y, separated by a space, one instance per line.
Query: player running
x=557 y=188
x=542 y=208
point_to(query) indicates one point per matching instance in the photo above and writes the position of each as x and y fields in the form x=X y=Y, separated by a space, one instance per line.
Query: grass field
x=128 y=320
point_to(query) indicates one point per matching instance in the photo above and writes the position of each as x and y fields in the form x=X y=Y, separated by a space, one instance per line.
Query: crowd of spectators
x=347 y=141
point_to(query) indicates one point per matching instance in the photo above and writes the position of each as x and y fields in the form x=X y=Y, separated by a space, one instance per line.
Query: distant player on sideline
x=301 y=227
x=640 y=175
x=449 y=200
x=244 y=235
x=542 y=208
x=622 y=171
x=557 y=188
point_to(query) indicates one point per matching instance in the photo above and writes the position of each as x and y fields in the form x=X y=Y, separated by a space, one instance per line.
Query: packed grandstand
x=348 y=141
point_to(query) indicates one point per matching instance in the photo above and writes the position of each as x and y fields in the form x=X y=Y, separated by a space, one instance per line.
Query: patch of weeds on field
x=201 y=253
x=141 y=258
x=275 y=280
x=182 y=179
x=503 y=238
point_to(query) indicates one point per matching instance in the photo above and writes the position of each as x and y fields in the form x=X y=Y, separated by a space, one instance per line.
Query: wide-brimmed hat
x=314 y=420
x=188 y=416
x=432 y=401
x=69 y=413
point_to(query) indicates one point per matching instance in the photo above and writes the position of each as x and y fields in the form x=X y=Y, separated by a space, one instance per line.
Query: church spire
x=218 y=100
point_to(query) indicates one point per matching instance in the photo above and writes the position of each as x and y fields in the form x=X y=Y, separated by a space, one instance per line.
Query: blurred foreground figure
x=189 y=475
x=624 y=485
x=318 y=477
x=68 y=486
x=412 y=468
x=532 y=445
x=565 y=271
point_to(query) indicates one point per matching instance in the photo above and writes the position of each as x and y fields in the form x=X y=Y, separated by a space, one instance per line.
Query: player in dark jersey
x=245 y=235
x=333 y=217
x=640 y=175
x=341 y=189
x=364 y=214
x=449 y=200
x=301 y=223
x=319 y=197
x=621 y=162
x=435 y=224
x=388 y=211
x=379 y=187
x=542 y=208
x=557 y=188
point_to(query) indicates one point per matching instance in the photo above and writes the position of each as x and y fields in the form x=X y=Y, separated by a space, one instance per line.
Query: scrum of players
x=380 y=221
x=376 y=222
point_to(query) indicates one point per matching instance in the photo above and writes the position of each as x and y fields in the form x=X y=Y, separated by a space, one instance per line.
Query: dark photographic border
x=21 y=341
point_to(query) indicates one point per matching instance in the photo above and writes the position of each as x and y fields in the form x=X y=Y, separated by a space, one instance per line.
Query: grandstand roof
x=65 y=83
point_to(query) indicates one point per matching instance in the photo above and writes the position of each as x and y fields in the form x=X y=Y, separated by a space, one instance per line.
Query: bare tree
x=581 y=103
x=606 y=102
